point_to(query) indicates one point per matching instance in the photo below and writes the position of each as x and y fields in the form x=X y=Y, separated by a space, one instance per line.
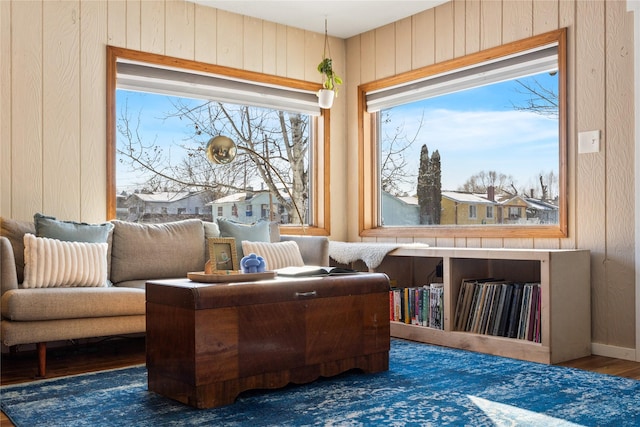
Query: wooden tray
x=229 y=276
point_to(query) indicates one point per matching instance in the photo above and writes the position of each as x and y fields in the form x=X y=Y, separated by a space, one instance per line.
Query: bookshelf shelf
x=565 y=313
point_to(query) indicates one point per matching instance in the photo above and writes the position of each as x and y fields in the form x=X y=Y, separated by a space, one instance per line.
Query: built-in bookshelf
x=557 y=320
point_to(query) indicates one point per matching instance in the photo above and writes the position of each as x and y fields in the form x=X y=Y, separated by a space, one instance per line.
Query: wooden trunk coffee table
x=206 y=343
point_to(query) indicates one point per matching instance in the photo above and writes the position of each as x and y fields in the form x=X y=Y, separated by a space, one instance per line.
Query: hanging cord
x=327 y=47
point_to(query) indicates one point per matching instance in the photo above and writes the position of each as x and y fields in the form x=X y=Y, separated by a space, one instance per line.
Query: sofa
x=40 y=306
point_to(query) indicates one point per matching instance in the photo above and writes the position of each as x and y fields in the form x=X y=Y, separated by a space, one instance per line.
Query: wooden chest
x=206 y=343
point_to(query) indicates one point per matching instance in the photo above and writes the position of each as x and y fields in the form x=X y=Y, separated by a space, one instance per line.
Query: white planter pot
x=325 y=98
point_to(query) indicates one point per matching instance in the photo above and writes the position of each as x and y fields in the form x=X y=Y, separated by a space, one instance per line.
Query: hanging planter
x=330 y=81
x=325 y=98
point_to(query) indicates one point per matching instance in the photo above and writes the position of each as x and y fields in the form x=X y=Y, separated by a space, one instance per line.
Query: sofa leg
x=42 y=359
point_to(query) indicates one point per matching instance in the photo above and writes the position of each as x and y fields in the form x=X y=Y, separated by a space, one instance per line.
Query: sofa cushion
x=260 y=231
x=71 y=303
x=55 y=263
x=71 y=231
x=15 y=230
x=314 y=249
x=156 y=251
x=276 y=255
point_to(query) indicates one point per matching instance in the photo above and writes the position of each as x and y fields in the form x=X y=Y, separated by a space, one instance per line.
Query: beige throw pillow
x=50 y=263
x=276 y=255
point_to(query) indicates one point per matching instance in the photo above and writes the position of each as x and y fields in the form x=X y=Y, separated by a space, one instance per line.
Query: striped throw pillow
x=50 y=263
x=276 y=255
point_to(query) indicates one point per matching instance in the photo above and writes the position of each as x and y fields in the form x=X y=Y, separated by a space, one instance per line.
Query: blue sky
x=475 y=130
x=479 y=130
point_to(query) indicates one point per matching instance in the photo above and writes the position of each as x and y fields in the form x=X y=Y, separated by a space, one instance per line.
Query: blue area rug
x=425 y=386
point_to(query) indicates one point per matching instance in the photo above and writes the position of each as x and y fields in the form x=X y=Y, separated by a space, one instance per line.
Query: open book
x=313 y=270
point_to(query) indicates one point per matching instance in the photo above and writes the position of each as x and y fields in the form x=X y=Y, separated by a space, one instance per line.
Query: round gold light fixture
x=221 y=149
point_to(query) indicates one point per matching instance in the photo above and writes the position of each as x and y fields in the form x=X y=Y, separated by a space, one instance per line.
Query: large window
x=164 y=111
x=487 y=129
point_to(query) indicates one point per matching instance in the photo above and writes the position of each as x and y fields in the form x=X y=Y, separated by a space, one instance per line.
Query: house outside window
x=249 y=210
x=514 y=212
x=489 y=212
x=220 y=212
x=473 y=211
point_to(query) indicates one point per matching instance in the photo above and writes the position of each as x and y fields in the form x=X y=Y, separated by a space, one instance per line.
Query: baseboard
x=613 y=351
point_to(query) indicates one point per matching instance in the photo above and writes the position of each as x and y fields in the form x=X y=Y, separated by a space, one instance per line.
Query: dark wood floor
x=118 y=353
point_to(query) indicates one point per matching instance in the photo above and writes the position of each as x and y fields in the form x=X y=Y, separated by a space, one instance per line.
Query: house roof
x=540 y=205
x=162 y=196
x=466 y=197
x=236 y=197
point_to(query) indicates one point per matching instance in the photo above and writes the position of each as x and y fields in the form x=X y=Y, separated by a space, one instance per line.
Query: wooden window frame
x=320 y=159
x=368 y=188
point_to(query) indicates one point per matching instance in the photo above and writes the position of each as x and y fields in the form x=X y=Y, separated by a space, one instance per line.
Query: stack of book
x=423 y=305
x=499 y=308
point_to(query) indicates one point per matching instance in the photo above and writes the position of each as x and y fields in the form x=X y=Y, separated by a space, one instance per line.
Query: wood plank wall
x=600 y=185
x=52 y=118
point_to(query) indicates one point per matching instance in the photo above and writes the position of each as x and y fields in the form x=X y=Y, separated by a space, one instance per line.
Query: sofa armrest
x=314 y=249
x=8 y=275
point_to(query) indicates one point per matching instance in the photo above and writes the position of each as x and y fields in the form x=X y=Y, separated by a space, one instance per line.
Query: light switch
x=589 y=142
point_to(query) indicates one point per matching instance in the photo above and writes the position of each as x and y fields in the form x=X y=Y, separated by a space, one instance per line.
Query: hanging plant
x=330 y=80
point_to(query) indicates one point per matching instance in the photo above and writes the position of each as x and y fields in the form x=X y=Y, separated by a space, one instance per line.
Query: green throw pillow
x=71 y=231
x=257 y=232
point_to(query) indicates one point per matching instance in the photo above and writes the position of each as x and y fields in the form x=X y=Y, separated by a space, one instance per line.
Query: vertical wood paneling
x=545 y=16
x=133 y=25
x=180 y=29
x=403 y=45
x=566 y=19
x=590 y=192
x=117 y=23
x=152 y=26
x=385 y=51
x=490 y=23
x=444 y=34
x=367 y=57
x=423 y=41
x=282 y=49
x=459 y=27
x=517 y=20
x=295 y=53
x=472 y=26
x=521 y=243
x=5 y=110
x=205 y=34
x=313 y=48
x=61 y=106
x=620 y=213
x=252 y=44
x=229 y=49
x=353 y=79
x=269 y=47
x=26 y=105
x=492 y=243
x=93 y=165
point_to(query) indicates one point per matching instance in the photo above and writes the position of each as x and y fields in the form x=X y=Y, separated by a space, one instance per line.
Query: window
x=162 y=113
x=473 y=212
x=514 y=213
x=485 y=129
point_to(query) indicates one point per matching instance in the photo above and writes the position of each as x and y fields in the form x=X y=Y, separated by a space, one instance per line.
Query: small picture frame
x=223 y=255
